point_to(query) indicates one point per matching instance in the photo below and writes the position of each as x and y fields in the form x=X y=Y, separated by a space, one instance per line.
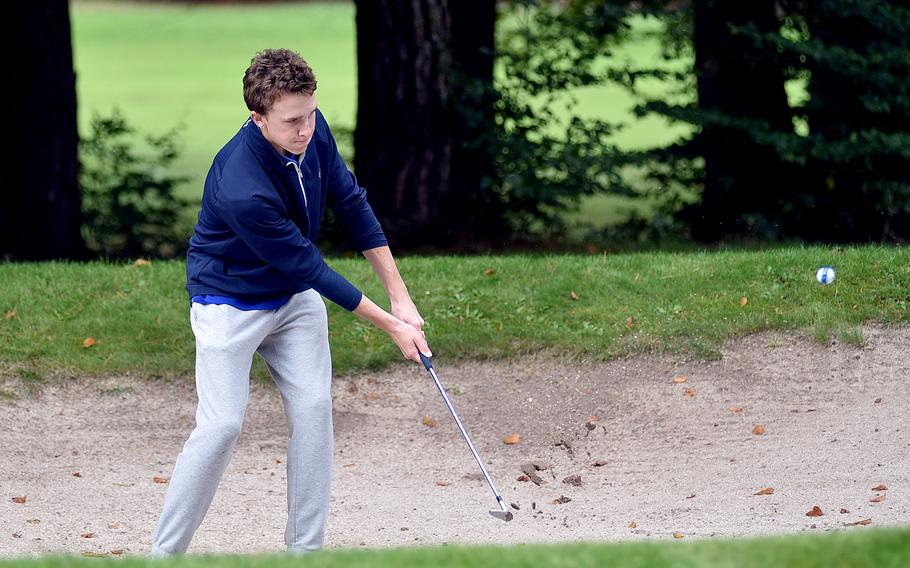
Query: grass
x=165 y=65
x=679 y=302
x=875 y=548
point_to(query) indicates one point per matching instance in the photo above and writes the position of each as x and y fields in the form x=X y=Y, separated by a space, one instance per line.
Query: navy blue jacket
x=260 y=217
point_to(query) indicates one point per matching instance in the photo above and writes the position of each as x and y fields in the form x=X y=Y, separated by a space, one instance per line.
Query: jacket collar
x=262 y=148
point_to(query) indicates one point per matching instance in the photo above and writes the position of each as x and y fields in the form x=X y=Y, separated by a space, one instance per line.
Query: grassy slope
x=862 y=548
x=688 y=302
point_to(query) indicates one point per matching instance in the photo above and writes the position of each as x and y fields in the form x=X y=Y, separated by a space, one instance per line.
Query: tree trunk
x=425 y=75
x=744 y=182
x=40 y=214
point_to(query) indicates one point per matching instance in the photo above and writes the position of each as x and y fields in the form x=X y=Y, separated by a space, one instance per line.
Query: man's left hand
x=406 y=311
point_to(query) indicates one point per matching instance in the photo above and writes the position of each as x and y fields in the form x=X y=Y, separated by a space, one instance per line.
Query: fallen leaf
x=736 y=409
x=678 y=535
x=21 y=499
x=511 y=440
x=844 y=511
x=114 y=526
x=680 y=379
x=691 y=496
x=630 y=322
x=690 y=392
x=815 y=512
x=349 y=465
x=117 y=551
x=561 y=500
x=142 y=262
x=92 y=554
x=743 y=302
x=599 y=463
x=428 y=421
x=442 y=483
x=877 y=499
x=881 y=487
x=488 y=272
x=9 y=314
x=758 y=430
x=88 y=535
x=523 y=478
x=89 y=341
x=863 y=523
x=878 y=401
x=632 y=525
x=161 y=479
x=765 y=491
x=593 y=419
x=573 y=295
x=77 y=474
x=573 y=479
x=33 y=521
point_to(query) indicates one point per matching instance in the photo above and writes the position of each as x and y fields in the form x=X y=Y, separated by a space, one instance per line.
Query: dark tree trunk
x=40 y=211
x=745 y=182
x=425 y=73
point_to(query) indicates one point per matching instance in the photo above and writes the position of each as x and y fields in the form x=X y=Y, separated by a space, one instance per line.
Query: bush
x=128 y=202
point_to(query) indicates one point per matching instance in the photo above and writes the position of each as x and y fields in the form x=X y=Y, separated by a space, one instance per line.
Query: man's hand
x=407 y=337
x=406 y=311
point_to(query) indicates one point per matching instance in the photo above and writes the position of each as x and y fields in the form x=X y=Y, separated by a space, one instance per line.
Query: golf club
x=504 y=513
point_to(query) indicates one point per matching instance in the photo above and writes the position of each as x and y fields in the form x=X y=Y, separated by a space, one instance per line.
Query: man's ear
x=258 y=119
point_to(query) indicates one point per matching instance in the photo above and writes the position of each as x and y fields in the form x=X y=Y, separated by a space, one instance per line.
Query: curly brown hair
x=273 y=73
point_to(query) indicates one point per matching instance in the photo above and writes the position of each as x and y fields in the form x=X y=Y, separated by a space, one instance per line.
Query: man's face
x=289 y=123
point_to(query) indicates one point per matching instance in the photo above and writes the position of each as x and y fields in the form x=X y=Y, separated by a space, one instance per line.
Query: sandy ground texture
x=654 y=455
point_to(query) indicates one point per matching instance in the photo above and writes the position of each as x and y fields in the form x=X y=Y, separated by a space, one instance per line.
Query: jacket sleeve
x=349 y=202
x=277 y=241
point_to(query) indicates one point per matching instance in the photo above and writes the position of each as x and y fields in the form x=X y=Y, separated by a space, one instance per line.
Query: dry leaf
x=561 y=500
x=89 y=341
x=349 y=465
x=630 y=322
x=863 y=523
x=114 y=526
x=161 y=479
x=690 y=392
x=573 y=295
x=512 y=439
x=33 y=521
x=877 y=499
x=593 y=419
x=844 y=511
x=21 y=499
x=9 y=314
x=442 y=483
x=743 y=302
x=428 y=421
x=77 y=474
x=678 y=535
x=599 y=463
x=680 y=379
x=815 y=512
x=523 y=478
x=92 y=554
x=765 y=491
x=881 y=487
x=632 y=525
x=488 y=271
x=736 y=409
x=758 y=430
x=88 y=535
x=142 y=262
x=117 y=551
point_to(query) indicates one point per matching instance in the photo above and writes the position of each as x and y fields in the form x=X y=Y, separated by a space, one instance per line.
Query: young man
x=255 y=277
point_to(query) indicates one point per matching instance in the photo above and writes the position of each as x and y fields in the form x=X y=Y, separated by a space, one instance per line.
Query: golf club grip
x=425 y=360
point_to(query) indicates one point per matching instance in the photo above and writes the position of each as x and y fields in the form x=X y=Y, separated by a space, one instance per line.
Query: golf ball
x=825 y=275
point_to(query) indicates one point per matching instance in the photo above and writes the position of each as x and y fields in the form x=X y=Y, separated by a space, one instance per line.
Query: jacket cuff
x=336 y=288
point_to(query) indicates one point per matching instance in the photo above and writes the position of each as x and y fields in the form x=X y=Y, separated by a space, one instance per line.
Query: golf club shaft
x=464 y=433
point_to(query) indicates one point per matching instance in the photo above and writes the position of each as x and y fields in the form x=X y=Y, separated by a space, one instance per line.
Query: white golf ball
x=825 y=275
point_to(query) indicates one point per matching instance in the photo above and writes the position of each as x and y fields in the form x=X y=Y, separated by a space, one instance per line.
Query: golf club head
x=504 y=515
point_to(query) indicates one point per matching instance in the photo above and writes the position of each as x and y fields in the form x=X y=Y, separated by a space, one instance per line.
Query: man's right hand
x=410 y=339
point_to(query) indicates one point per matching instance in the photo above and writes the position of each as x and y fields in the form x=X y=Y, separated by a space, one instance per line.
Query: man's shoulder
x=235 y=157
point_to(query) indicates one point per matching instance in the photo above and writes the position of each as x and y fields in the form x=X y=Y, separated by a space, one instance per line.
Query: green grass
x=682 y=302
x=876 y=548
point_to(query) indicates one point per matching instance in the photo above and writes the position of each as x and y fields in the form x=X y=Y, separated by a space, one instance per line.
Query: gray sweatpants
x=293 y=340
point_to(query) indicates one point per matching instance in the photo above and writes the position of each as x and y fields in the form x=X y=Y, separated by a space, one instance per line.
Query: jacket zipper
x=300 y=179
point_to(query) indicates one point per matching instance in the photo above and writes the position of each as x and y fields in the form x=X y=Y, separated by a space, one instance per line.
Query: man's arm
x=384 y=266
